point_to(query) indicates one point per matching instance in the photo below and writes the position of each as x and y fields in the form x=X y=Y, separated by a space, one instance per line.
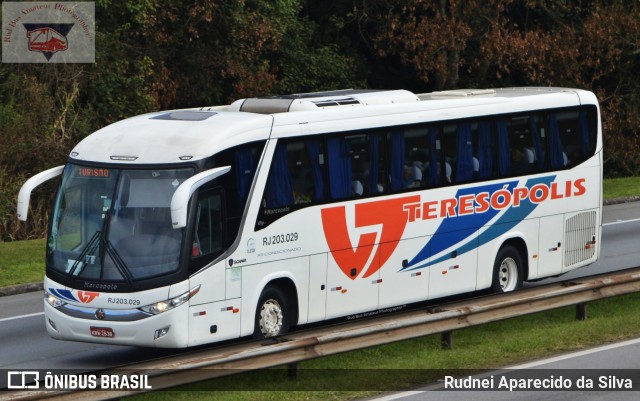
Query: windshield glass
x=114 y=225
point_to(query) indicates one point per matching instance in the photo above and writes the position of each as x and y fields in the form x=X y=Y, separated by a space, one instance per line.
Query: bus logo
x=87 y=296
x=380 y=224
x=381 y=221
x=48 y=39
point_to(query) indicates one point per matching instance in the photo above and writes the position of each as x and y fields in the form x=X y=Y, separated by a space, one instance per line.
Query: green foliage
x=592 y=45
x=164 y=54
x=150 y=55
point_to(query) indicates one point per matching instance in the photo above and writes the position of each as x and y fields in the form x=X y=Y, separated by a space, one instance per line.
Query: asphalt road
x=25 y=344
x=608 y=367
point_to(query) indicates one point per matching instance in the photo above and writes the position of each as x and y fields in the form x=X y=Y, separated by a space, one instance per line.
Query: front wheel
x=272 y=314
x=507 y=270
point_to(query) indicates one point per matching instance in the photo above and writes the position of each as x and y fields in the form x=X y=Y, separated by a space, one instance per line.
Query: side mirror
x=180 y=199
x=27 y=187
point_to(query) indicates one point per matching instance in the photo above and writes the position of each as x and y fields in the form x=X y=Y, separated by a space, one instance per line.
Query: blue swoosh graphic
x=507 y=221
x=459 y=227
x=64 y=294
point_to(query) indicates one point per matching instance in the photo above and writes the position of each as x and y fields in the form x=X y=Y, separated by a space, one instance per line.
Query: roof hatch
x=458 y=93
x=185 y=115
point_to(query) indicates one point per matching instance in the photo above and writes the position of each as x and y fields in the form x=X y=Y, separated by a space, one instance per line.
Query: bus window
x=503 y=149
x=435 y=173
x=396 y=146
x=484 y=153
x=573 y=133
x=340 y=169
x=358 y=148
x=464 y=166
x=416 y=157
x=296 y=176
x=208 y=228
x=368 y=172
x=306 y=165
x=536 y=145
x=557 y=157
x=377 y=177
x=279 y=190
x=520 y=145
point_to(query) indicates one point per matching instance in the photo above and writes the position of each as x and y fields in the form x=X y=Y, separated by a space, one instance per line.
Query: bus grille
x=580 y=237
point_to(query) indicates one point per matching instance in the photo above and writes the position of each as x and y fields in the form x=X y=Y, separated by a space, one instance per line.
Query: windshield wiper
x=91 y=247
x=97 y=241
x=120 y=264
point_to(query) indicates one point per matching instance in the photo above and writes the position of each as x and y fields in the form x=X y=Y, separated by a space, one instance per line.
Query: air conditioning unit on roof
x=321 y=100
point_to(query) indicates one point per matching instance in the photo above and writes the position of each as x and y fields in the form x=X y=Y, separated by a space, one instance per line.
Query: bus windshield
x=115 y=224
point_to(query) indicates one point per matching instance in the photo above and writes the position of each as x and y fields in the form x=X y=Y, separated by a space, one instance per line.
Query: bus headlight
x=169 y=304
x=53 y=300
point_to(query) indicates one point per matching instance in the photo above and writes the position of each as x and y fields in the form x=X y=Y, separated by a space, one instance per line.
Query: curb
x=618 y=201
x=21 y=289
x=32 y=287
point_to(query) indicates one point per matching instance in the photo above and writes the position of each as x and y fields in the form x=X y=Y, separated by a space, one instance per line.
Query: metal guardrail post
x=293 y=370
x=447 y=339
x=581 y=311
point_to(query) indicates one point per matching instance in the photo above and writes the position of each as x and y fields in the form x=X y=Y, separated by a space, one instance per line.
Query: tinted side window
x=221 y=203
x=209 y=224
x=348 y=165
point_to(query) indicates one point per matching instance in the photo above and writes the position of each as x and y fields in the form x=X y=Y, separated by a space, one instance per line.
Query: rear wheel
x=507 y=270
x=272 y=314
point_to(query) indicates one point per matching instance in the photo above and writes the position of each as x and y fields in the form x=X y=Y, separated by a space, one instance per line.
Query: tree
x=587 y=44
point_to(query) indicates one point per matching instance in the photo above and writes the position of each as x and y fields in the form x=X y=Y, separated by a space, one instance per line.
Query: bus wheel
x=272 y=317
x=507 y=270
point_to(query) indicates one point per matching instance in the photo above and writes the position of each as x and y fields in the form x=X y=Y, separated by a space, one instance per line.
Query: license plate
x=102 y=332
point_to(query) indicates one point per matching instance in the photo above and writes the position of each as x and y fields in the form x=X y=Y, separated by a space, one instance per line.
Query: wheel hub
x=508 y=274
x=271 y=318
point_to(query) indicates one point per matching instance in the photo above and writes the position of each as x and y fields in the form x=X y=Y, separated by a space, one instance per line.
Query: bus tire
x=272 y=314
x=507 y=270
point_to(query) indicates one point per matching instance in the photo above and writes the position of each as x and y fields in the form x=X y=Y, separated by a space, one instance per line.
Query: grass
x=21 y=262
x=621 y=187
x=406 y=364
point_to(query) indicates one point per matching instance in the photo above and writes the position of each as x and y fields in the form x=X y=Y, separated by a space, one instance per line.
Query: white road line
x=620 y=222
x=577 y=354
x=6 y=319
x=395 y=396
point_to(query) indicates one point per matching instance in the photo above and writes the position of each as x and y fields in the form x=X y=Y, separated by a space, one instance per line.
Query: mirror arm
x=25 y=192
x=180 y=199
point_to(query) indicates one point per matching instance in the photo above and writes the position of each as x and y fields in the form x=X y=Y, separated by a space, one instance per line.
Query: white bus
x=179 y=228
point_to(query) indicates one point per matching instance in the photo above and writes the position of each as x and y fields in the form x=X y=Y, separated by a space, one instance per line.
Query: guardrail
x=213 y=363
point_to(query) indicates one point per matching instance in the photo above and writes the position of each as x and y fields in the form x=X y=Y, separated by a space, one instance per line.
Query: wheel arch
x=286 y=282
x=290 y=291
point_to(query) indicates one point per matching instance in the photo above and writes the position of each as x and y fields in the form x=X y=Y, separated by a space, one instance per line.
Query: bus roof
x=192 y=134
x=171 y=136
